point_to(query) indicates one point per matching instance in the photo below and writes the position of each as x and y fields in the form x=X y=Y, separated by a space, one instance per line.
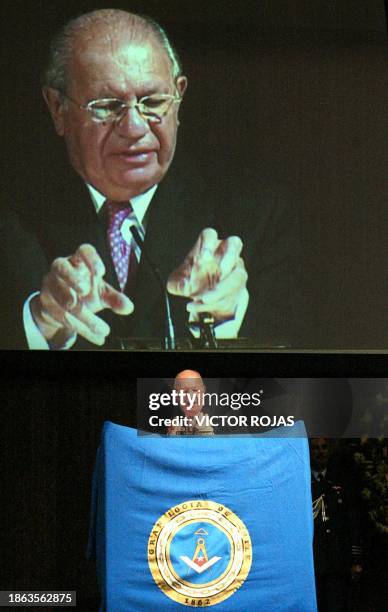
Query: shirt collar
x=139 y=203
x=316 y=473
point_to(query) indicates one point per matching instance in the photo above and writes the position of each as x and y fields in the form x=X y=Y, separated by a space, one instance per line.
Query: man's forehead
x=120 y=58
x=189 y=383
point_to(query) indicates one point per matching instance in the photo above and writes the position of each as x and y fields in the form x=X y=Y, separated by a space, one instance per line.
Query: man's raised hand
x=72 y=292
x=213 y=275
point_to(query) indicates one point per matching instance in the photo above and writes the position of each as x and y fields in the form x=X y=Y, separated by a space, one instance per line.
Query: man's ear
x=55 y=104
x=181 y=85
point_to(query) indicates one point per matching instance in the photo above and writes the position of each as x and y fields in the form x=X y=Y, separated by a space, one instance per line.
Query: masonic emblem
x=199 y=553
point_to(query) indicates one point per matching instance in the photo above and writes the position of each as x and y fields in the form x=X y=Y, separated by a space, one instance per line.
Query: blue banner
x=203 y=521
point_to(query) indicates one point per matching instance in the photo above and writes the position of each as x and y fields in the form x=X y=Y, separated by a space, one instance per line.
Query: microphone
x=168 y=341
x=206 y=329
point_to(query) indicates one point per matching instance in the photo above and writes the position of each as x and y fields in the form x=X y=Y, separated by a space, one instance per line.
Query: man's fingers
x=53 y=316
x=199 y=268
x=228 y=253
x=72 y=287
x=115 y=300
x=227 y=288
x=78 y=278
x=79 y=272
x=87 y=255
x=64 y=295
x=88 y=325
x=49 y=313
x=205 y=247
x=206 y=243
x=221 y=311
x=209 y=262
x=205 y=272
x=72 y=292
x=77 y=319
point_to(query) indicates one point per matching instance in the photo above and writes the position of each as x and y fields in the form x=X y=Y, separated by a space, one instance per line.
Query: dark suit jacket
x=56 y=216
x=337 y=540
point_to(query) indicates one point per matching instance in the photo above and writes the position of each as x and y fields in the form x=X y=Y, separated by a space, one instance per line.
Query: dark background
x=291 y=91
x=295 y=90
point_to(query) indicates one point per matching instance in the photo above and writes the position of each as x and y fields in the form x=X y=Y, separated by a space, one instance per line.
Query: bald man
x=113 y=86
x=191 y=383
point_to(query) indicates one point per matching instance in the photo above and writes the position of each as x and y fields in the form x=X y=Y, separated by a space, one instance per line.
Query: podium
x=188 y=522
x=191 y=344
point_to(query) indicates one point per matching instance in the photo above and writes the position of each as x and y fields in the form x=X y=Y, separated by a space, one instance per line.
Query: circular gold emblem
x=199 y=553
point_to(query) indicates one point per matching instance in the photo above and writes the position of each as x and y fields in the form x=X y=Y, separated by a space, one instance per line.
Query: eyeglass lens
x=153 y=108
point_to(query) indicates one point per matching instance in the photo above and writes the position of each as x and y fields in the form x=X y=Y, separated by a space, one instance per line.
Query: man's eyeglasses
x=108 y=110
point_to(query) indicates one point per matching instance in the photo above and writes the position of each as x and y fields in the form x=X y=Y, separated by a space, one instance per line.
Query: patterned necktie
x=124 y=251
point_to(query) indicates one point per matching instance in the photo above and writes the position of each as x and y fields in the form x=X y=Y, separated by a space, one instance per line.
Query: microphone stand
x=206 y=321
x=168 y=339
x=206 y=331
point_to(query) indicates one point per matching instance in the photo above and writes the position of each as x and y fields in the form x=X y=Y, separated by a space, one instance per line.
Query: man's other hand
x=72 y=292
x=213 y=275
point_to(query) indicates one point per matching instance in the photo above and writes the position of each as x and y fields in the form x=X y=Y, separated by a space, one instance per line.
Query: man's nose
x=132 y=126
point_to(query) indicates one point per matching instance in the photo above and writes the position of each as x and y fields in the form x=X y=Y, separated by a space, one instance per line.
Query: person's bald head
x=104 y=25
x=188 y=374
